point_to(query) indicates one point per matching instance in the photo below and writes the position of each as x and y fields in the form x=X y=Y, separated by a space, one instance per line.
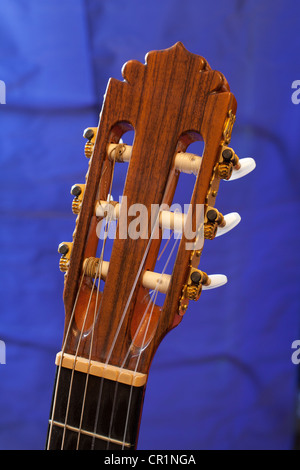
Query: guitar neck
x=114 y=320
x=98 y=414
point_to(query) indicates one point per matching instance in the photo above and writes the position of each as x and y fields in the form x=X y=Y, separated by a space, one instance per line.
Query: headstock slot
x=178 y=202
x=107 y=227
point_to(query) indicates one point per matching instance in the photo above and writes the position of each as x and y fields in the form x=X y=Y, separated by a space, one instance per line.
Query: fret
x=106 y=416
x=94 y=436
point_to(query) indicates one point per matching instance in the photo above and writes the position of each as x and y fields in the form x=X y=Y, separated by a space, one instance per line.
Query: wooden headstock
x=170 y=101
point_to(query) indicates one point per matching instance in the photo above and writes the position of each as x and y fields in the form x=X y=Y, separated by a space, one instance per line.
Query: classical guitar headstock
x=174 y=99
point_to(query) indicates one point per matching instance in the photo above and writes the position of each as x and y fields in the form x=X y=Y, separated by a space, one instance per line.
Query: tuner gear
x=214 y=219
x=78 y=191
x=194 y=286
x=210 y=231
x=65 y=249
x=90 y=135
x=228 y=161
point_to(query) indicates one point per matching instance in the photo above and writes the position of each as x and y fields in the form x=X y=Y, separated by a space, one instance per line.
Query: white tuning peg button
x=231 y=221
x=216 y=280
x=246 y=166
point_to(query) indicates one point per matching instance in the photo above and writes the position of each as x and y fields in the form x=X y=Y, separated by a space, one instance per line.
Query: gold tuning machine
x=65 y=249
x=89 y=134
x=227 y=162
x=77 y=190
x=213 y=220
x=194 y=285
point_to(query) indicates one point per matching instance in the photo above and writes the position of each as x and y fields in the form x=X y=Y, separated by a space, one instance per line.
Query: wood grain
x=170 y=101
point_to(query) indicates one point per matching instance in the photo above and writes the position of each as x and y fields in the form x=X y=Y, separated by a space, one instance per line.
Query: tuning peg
x=230 y=167
x=199 y=280
x=65 y=249
x=90 y=135
x=213 y=219
x=77 y=190
x=195 y=283
x=231 y=220
x=246 y=166
x=228 y=161
x=216 y=224
x=216 y=280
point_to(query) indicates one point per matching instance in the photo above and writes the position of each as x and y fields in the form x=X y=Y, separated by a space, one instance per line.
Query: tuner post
x=89 y=134
x=228 y=161
x=193 y=288
x=196 y=280
x=77 y=190
x=65 y=249
x=213 y=220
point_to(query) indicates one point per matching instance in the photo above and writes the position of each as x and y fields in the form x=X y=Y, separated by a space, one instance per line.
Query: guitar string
x=108 y=221
x=122 y=319
x=165 y=246
x=118 y=330
x=73 y=369
x=79 y=343
x=151 y=302
x=66 y=339
x=121 y=322
x=145 y=334
x=152 y=299
x=144 y=340
x=96 y=302
x=98 y=275
x=132 y=290
x=60 y=364
x=63 y=351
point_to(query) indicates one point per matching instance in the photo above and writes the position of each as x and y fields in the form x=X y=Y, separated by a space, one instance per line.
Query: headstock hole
x=196 y=147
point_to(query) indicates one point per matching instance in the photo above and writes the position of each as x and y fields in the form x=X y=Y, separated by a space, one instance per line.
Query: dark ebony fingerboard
x=95 y=432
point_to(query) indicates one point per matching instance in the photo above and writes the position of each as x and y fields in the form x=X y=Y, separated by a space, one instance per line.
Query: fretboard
x=93 y=413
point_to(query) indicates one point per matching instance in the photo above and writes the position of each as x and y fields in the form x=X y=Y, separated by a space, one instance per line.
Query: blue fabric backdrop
x=224 y=378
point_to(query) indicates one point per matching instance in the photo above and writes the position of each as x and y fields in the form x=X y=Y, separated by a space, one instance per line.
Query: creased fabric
x=224 y=378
